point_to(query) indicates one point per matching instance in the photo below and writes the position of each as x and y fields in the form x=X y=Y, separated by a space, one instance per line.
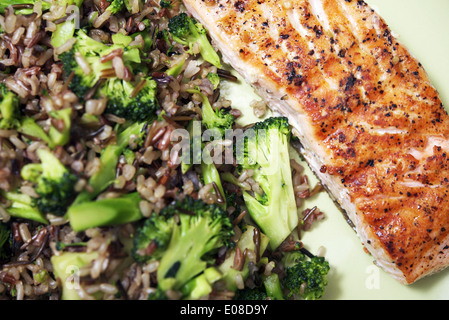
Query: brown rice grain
x=24 y=232
x=146 y=208
x=65 y=47
x=128 y=171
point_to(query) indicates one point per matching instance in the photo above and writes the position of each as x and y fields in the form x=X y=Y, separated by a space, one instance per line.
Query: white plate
x=423 y=27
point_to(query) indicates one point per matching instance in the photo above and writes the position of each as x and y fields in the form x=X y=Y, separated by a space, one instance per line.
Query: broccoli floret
x=61 y=135
x=257 y=293
x=11 y=118
x=153 y=238
x=105 y=212
x=214 y=120
x=266 y=151
x=305 y=277
x=158 y=294
x=109 y=160
x=9 y=109
x=81 y=80
x=270 y=289
x=166 y=4
x=210 y=174
x=214 y=78
x=5 y=3
x=65 y=268
x=133 y=101
x=187 y=31
x=53 y=183
x=198 y=231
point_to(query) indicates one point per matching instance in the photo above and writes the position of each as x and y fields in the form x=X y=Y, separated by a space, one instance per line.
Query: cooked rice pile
x=30 y=67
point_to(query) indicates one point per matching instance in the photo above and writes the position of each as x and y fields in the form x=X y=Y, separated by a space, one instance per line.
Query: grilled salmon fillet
x=372 y=125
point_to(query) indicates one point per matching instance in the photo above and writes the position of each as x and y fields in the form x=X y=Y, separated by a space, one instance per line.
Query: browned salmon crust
x=372 y=125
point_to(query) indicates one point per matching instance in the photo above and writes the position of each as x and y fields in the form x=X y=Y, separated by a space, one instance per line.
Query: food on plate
x=372 y=126
x=110 y=115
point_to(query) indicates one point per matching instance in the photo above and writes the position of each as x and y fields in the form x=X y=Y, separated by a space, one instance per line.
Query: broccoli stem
x=22 y=207
x=52 y=168
x=64 y=31
x=273 y=286
x=207 y=52
x=176 y=68
x=62 y=137
x=30 y=128
x=210 y=174
x=182 y=259
x=109 y=159
x=201 y=286
x=65 y=268
x=246 y=241
x=54 y=137
x=105 y=212
x=275 y=212
x=9 y=109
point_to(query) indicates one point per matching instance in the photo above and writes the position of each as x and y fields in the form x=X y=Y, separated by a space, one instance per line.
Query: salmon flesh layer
x=372 y=125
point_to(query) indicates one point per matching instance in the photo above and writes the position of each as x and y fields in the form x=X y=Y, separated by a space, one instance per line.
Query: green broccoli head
x=152 y=238
x=23 y=206
x=90 y=50
x=57 y=135
x=9 y=109
x=53 y=183
x=256 y=293
x=166 y=4
x=187 y=31
x=266 y=151
x=305 y=277
x=135 y=102
x=158 y=294
x=214 y=120
x=197 y=231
